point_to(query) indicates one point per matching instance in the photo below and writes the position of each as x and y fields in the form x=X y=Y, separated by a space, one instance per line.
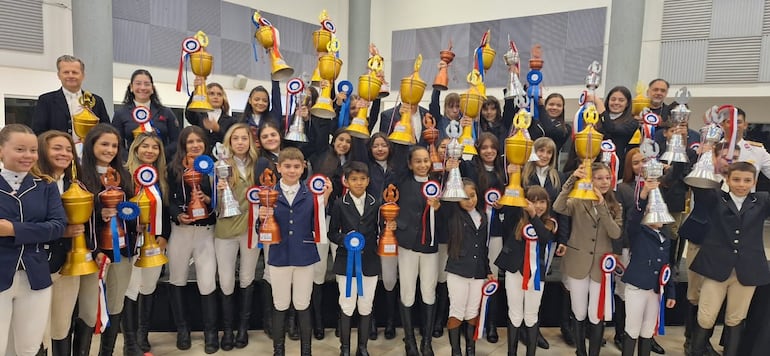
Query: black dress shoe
x=541 y=341
x=656 y=348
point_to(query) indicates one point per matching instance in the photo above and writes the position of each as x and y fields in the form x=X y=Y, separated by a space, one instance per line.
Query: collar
x=68 y=93
x=101 y=170
x=240 y=162
x=358 y=200
x=147 y=104
x=541 y=170
x=737 y=199
x=421 y=179
x=289 y=189
x=13 y=177
x=383 y=164
x=489 y=168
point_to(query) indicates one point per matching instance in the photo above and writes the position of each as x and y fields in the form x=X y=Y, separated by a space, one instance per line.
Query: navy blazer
x=511 y=258
x=297 y=246
x=53 y=113
x=733 y=238
x=38 y=217
x=162 y=119
x=57 y=249
x=409 y=221
x=648 y=253
x=344 y=219
x=224 y=121
x=179 y=197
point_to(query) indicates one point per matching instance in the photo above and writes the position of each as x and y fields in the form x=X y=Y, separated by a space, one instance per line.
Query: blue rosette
x=354 y=243
x=534 y=78
x=205 y=165
x=346 y=87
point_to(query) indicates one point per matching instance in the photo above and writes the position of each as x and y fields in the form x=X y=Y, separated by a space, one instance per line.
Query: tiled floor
x=164 y=344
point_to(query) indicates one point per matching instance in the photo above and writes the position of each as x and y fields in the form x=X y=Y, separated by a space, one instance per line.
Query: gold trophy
x=385 y=87
x=321 y=39
x=640 y=101
x=411 y=91
x=267 y=36
x=442 y=77
x=368 y=89
x=588 y=146
x=150 y=254
x=201 y=63
x=269 y=231
x=85 y=120
x=518 y=147
x=388 y=245
x=78 y=204
x=487 y=53
x=470 y=105
x=329 y=67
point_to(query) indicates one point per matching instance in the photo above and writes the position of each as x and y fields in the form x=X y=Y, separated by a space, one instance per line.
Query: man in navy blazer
x=54 y=109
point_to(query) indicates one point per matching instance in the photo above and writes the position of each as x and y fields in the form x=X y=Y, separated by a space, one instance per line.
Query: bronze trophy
x=196 y=209
x=430 y=134
x=388 y=245
x=78 y=204
x=110 y=197
x=442 y=77
x=269 y=231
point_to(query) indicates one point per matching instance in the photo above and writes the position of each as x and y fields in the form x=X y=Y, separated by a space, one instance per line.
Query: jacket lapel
x=61 y=102
x=731 y=204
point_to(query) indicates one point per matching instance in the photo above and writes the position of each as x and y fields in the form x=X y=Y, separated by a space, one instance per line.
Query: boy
x=732 y=257
x=291 y=261
x=356 y=211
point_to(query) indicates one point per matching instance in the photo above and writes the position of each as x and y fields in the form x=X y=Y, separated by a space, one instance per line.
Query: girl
x=141 y=92
x=259 y=109
x=617 y=122
x=594 y=225
x=102 y=150
x=192 y=239
x=451 y=107
x=467 y=266
x=31 y=214
x=56 y=159
x=550 y=122
x=147 y=148
x=524 y=303
x=217 y=122
x=492 y=119
x=232 y=237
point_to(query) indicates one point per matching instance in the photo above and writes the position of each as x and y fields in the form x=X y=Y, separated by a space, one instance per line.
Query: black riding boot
x=81 y=344
x=372 y=327
x=620 y=322
x=656 y=348
x=228 y=314
x=580 y=337
x=391 y=301
x=145 y=317
x=364 y=323
x=531 y=341
x=244 y=315
x=426 y=347
x=345 y=335
x=732 y=339
x=268 y=311
x=628 y=346
x=410 y=343
x=454 y=341
x=279 y=332
x=210 y=330
x=305 y=332
x=567 y=320
x=110 y=334
x=513 y=339
x=645 y=347
x=596 y=339
x=292 y=329
x=442 y=309
x=129 y=327
x=62 y=347
x=316 y=303
x=491 y=320
x=470 y=341
x=180 y=318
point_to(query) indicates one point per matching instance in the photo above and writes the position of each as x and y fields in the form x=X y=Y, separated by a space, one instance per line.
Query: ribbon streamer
x=344 y=118
x=534 y=77
x=489 y=288
x=491 y=197
x=430 y=189
x=606 y=300
x=665 y=277
x=354 y=243
x=316 y=184
x=189 y=45
x=252 y=195
x=550 y=248
x=102 y=314
x=531 y=271
x=610 y=157
x=205 y=165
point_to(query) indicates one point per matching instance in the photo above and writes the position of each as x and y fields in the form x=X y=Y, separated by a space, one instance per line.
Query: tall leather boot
x=491 y=322
x=532 y=335
x=145 y=317
x=291 y=324
x=42 y=351
x=567 y=320
x=180 y=319
x=513 y=339
x=628 y=346
x=442 y=309
x=279 y=332
x=228 y=319
x=305 y=332
x=453 y=329
x=580 y=337
x=656 y=348
x=470 y=341
x=645 y=347
x=244 y=315
x=268 y=311
x=391 y=299
x=210 y=331
x=372 y=327
x=345 y=335
x=316 y=303
x=691 y=315
x=620 y=322
x=62 y=347
x=130 y=326
x=596 y=339
x=732 y=339
x=410 y=343
x=429 y=317
x=364 y=323
x=81 y=344
x=110 y=334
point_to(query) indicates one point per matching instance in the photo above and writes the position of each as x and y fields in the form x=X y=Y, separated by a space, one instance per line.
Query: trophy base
x=583 y=191
x=440 y=87
x=79 y=263
x=323 y=109
x=513 y=197
x=387 y=250
x=198 y=105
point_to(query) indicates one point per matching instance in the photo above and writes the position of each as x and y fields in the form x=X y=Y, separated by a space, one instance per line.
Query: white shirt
x=660 y=236
x=60 y=184
x=101 y=170
x=476 y=217
x=383 y=164
x=542 y=174
x=73 y=101
x=489 y=168
x=13 y=178
x=737 y=200
x=421 y=179
x=359 y=202
x=214 y=115
x=289 y=191
x=145 y=104
x=241 y=165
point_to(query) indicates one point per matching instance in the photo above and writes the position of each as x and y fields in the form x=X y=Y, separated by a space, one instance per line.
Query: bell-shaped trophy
x=85 y=120
x=201 y=63
x=267 y=36
x=514 y=89
x=269 y=231
x=657 y=210
x=441 y=82
x=387 y=244
x=487 y=53
x=675 y=146
x=228 y=205
x=196 y=209
x=110 y=197
x=587 y=146
x=368 y=89
x=430 y=134
x=470 y=105
x=412 y=89
x=296 y=87
x=640 y=101
x=703 y=173
x=518 y=148
x=453 y=187
x=150 y=254
x=329 y=67
x=321 y=39
x=78 y=205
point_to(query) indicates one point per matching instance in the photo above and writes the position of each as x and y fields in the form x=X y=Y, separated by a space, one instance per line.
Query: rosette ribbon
x=102 y=314
x=142 y=117
x=316 y=185
x=205 y=165
x=293 y=87
x=489 y=288
x=430 y=189
x=491 y=197
x=651 y=121
x=252 y=195
x=147 y=177
x=346 y=87
x=610 y=157
x=606 y=307
x=531 y=271
x=354 y=243
x=550 y=248
x=663 y=279
x=534 y=78
x=190 y=45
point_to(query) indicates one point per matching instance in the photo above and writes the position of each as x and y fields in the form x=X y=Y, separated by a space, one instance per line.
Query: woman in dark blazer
x=214 y=123
x=141 y=92
x=260 y=108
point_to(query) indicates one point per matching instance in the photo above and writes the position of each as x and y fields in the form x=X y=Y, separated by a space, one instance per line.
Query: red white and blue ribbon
x=328 y=25
x=142 y=117
x=205 y=165
x=489 y=288
x=354 y=243
x=534 y=78
x=430 y=189
x=102 y=314
x=578 y=124
x=293 y=87
x=664 y=278
x=257 y=21
x=550 y=248
x=252 y=195
x=147 y=177
x=190 y=45
x=491 y=196
x=316 y=185
x=610 y=157
x=479 y=55
x=344 y=118
x=651 y=121
x=731 y=130
x=531 y=270
x=606 y=300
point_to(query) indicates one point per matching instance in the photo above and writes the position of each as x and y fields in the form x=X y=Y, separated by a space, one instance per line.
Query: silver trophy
x=703 y=173
x=453 y=189
x=515 y=89
x=657 y=210
x=228 y=205
x=675 y=146
x=297 y=128
x=594 y=79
